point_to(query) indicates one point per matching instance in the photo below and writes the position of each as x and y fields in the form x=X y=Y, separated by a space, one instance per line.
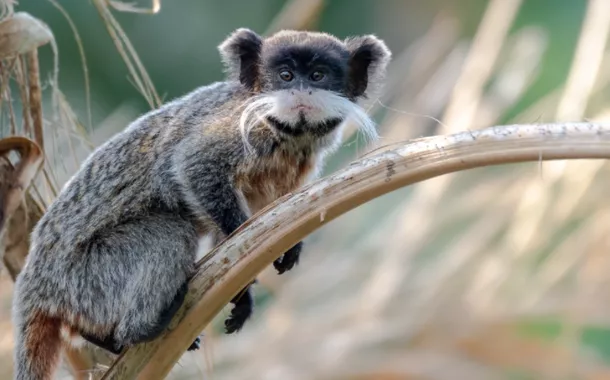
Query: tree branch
x=263 y=238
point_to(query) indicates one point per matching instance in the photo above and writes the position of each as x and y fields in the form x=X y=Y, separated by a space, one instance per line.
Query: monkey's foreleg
x=288 y=259
x=219 y=200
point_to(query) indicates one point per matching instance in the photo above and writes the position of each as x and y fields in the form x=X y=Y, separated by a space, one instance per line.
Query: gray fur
x=112 y=250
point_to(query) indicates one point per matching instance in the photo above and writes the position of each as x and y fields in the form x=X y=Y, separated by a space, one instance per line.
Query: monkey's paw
x=238 y=317
x=289 y=259
x=195 y=345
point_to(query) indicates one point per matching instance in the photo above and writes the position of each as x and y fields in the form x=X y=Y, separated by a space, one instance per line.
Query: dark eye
x=286 y=75
x=317 y=76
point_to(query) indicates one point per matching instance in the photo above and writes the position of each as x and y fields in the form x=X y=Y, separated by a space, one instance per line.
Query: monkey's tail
x=37 y=344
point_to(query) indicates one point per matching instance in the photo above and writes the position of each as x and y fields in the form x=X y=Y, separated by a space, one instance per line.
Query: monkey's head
x=305 y=83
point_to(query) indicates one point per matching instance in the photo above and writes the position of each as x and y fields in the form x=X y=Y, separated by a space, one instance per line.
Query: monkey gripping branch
x=264 y=237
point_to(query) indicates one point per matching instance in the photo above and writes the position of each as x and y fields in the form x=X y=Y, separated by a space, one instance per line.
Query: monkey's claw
x=195 y=345
x=238 y=318
x=289 y=259
x=234 y=323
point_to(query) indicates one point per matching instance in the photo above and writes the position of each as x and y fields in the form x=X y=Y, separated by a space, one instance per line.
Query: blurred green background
x=178 y=45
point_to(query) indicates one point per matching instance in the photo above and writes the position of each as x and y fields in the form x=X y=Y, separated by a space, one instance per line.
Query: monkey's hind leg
x=243 y=302
x=242 y=311
x=109 y=342
x=166 y=317
x=156 y=255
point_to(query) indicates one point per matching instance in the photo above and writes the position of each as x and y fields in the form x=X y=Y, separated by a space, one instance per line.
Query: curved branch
x=263 y=238
x=31 y=159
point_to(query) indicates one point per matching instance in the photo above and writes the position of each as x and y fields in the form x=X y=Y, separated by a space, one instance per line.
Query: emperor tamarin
x=111 y=258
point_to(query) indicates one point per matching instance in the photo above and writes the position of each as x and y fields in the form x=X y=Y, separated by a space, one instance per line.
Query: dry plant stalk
x=297 y=14
x=128 y=53
x=124 y=7
x=587 y=61
x=81 y=51
x=35 y=96
x=16 y=180
x=460 y=113
x=481 y=60
x=20 y=37
x=263 y=238
x=18 y=212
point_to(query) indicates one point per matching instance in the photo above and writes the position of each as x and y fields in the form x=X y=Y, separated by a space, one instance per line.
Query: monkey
x=111 y=258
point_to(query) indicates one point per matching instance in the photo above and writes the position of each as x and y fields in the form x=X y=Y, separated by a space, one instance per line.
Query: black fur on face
x=305 y=83
x=368 y=59
x=240 y=53
x=302 y=126
x=303 y=60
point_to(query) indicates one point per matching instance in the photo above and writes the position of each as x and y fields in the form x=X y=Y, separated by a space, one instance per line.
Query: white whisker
x=280 y=104
x=251 y=116
x=413 y=114
x=365 y=123
x=337 y=104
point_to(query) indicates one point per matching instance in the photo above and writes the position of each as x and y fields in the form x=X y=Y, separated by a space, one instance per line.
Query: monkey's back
x=131 y=175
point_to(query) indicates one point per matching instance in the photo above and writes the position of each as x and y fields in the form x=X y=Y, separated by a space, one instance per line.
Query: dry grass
x=471 y=275
x=26 y=190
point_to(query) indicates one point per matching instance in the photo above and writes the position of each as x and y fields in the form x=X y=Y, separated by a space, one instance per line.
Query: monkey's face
x=305 y=83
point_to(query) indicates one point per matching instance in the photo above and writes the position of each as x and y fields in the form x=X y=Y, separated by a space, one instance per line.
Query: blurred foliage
x=178 y=45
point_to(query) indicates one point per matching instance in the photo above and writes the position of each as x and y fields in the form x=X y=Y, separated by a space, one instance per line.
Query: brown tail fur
x=38 y=347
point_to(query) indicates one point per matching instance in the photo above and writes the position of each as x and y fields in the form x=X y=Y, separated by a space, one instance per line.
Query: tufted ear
x=240 y=53
x=369 y=57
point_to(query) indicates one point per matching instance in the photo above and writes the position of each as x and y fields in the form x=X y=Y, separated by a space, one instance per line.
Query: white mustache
x=320 y=105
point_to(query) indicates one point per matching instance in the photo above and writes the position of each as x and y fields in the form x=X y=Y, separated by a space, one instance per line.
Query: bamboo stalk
x=269 y=233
